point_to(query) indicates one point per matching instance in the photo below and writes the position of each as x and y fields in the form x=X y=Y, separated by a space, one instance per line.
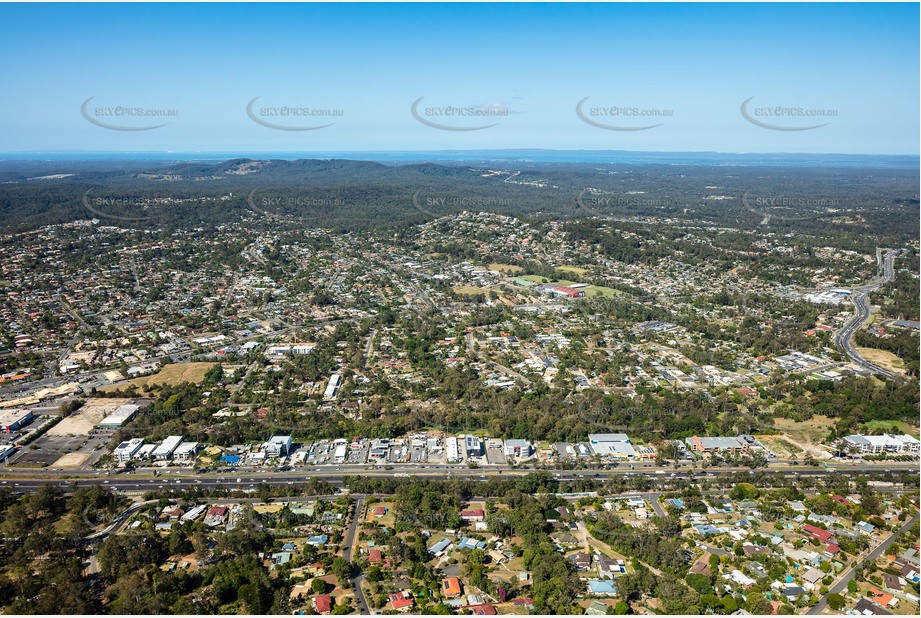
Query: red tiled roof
x=323 y=602
x=451 y=587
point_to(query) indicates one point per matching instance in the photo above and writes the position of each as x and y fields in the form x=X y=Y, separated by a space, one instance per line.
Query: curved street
x=844 y=337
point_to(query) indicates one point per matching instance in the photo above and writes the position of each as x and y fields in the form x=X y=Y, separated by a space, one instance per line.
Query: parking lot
x=359 y=455
x=495 y=453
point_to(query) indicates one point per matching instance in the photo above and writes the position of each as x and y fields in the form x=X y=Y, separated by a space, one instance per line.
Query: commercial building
x=165 y=450
x=452 y=450
x=827 y=297
x=717 y=444
x=13 y=420
x=278 y=446
x=616 y=445
x=518 y=448
x=120 y=416
x=127 y=450
x=473 y=446
x=145 y=452
x=379 y=449
x=885 y=443
x=185 y=452
x=568 y=292
x=6 y=450
x=341 y=452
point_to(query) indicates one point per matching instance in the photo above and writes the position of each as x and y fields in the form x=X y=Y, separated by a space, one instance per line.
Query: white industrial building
x=165 y=450
x=452 y=450
x=185 y=452
x=885 y=443
x=13 y=420
x=332 y=389
x=340 y=453
x=278 y=446
x=827 y=297
x=127 y=450
x=6 y=450
x=120 y=416
x=615 y=445
x=145 y=452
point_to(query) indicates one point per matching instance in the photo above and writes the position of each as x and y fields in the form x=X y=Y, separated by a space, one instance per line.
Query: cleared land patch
x=170 y=375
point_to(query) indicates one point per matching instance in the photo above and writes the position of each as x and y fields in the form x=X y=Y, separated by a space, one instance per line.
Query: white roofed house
x=811 y=578
x=165 y=450
x=332 y=388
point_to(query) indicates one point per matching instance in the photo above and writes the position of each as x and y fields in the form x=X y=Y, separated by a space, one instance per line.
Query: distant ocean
x=522 y=157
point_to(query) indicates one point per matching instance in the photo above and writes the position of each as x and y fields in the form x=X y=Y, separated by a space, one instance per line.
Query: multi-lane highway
x=186 y=479
x=844 y=336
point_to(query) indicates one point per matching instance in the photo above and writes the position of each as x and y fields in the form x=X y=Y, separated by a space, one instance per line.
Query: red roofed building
x=523 y=602
x=375 y=556
x=482 y=610
x=401 y=601
x=564 y=290
x=217 y=511
x=323 y=603
x=813 y=531
x=451 y=587
x=473 y=515
x=832 y=549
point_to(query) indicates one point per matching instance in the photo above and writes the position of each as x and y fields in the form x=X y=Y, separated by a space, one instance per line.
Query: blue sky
x=692 y=64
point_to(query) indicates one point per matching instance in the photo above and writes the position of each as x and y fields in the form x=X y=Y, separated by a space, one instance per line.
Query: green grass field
x=592 y=290
x=887 y=426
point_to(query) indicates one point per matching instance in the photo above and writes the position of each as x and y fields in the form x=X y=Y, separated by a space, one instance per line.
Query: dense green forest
x=359 y=194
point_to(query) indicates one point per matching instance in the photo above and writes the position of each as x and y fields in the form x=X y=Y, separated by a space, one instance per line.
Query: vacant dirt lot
x=886 y=360
x=82 y=422
x=796 y=440
x=72 y=461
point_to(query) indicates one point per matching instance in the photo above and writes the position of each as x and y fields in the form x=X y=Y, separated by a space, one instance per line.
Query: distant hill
x=354 y=194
